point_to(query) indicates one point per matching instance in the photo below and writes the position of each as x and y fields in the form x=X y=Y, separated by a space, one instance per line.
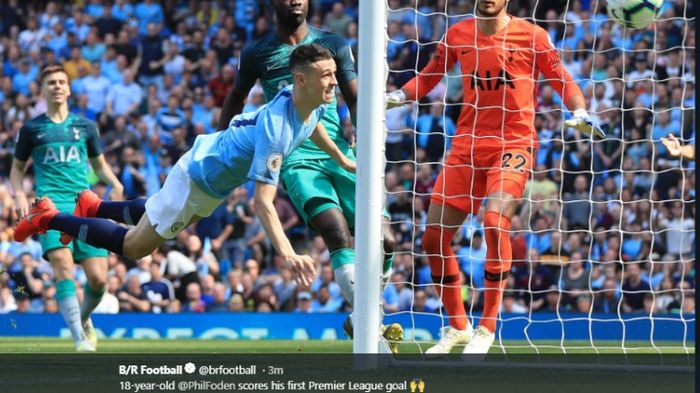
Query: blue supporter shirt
x=253 y=147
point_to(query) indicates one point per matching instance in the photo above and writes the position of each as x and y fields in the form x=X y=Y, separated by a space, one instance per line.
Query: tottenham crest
x=274 y=162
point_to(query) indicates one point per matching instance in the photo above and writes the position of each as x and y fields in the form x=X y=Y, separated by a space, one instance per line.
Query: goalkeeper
x=501 y=57
x=253 y=147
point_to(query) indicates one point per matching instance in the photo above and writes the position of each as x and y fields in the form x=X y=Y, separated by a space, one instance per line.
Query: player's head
x=491 y=8
x=55 y=85
x=313 y=70
x=290 y=13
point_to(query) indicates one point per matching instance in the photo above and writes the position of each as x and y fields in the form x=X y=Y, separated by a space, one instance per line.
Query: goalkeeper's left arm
x=549 y=63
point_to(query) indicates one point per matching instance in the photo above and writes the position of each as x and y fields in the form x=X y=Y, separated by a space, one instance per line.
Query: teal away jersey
x=268 y=60
x=60 y=152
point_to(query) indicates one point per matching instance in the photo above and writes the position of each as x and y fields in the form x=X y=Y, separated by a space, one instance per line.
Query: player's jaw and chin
x=291 y=13
x=490 y=8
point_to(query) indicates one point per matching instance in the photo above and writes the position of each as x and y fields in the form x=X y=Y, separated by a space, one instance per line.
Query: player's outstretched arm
x=302 y=265
x=324 y=142
x=675 y=148
x=104 y=172
x=549 y=63
x=427 y=78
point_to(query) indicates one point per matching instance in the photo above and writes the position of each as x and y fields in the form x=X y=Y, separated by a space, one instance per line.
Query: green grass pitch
x=39 y=345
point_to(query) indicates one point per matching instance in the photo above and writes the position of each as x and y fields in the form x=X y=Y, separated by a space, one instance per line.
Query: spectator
x=107 y=23
x=123 y=98
x=7 y=301
x=219 y=303
x=337 y=20
x=148 y=12
x=159 y=290
x=325 y=278
x=204 y=260
x=23 y=77
x=512 y=305
x=285 y=287
x=679 y=230
x=472 y=259
x=577 y=204
x=26 y=280
x=234 y=282
x=31 y=38
x=221 y=84
x=304 y=302
x=434 y=132
x=152 y=57
x=324 y=301
x=196 y=53
x=173 y=62
x=170 y=118
x=236 y=303
x=398 y=292
x=194 y=302
x=420 y=302
x=142 y=270
x=95 y=86
x=116 y=139
x=125 y=48
x=132 y=298
x=92 y=50
x=634 y=288
x=575 y=280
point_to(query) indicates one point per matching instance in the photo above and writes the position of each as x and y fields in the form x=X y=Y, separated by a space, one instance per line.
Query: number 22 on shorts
x=515 y=160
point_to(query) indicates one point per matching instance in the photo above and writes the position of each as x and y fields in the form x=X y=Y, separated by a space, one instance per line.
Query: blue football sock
x=128 y=212
x=96 y=232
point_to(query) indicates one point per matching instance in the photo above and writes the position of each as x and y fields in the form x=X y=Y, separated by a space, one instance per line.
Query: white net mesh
x=603 y=237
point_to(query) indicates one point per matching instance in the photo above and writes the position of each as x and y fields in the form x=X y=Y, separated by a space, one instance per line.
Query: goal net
x=603 y=237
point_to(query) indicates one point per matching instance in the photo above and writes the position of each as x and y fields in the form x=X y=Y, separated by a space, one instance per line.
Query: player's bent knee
x=97 y=283
x=496 y=220
x=61 y=261
x=337 y=238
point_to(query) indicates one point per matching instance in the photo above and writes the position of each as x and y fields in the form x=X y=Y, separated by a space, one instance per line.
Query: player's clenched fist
x=303 y=266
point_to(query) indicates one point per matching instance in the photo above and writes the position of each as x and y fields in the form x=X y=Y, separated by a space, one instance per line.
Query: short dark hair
x=304 y=55
x=51 y=69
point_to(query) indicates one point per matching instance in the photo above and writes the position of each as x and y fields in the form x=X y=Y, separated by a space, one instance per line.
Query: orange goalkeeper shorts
x=467 y=178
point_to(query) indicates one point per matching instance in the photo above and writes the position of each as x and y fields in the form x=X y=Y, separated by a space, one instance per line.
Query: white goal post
x=370 y=176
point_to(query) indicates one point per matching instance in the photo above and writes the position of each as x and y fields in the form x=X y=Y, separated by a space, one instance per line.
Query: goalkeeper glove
x=395 y=98
x=583 y=122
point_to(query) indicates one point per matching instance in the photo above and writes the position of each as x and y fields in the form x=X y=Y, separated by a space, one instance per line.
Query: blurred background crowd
x=605 y=226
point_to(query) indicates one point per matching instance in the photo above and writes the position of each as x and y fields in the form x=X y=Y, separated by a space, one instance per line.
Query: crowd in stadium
x=605 y=226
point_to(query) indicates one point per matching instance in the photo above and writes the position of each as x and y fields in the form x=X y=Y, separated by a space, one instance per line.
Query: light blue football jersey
x=253 y=146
